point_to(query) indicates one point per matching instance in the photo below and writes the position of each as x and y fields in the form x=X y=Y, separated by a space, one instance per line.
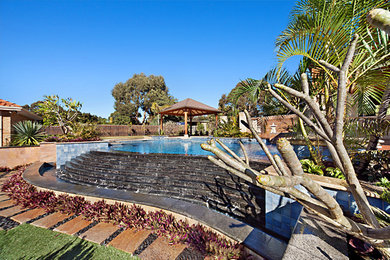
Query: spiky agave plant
x=27 y=133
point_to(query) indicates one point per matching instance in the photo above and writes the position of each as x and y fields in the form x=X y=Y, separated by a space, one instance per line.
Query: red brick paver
x=73 y=226
x=129 y=240
x=99 y=233
x=26 y=216
x=50 y=220
x=161 y=250
x=11 y=211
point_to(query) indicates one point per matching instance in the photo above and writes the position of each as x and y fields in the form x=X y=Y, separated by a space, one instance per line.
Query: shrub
x=27 y=133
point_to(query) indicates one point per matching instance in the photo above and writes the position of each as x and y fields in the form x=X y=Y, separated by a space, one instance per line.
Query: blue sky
x=81 y=49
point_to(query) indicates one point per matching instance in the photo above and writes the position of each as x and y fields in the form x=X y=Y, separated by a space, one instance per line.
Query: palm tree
x=320 y=30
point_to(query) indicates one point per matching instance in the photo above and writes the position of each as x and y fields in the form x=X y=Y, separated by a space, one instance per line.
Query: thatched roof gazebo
x=188 y=108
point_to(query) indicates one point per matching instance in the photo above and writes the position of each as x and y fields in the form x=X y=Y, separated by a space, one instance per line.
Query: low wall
x=13 y=156
x=67 y=151
x=47 y=152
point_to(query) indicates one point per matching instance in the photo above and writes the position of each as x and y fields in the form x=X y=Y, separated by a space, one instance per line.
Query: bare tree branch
x=329 y=66
x=261 y=143
x=299 y=113
x=244 y=152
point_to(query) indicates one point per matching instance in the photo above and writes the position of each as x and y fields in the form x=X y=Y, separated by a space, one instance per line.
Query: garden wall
x=270 y=126
x=13 y=156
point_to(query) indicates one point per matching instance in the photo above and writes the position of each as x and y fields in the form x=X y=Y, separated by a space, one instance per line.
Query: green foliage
x=359 y=130
x=27 y=133
x=89 y=118
x=86 y=131
x=231 y=104
x=320 y=30
x=60 y=112
x=385 y=183
x=309 y=166
x=34 y=107
x=138 y=94
x=379 y=164
x=200 y=128
x=335 y=173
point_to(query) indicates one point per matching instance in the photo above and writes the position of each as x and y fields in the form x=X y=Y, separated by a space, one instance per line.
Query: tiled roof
x=6 y=103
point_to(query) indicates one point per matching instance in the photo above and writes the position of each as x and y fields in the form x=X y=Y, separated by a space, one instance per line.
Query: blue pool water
x=191 y=146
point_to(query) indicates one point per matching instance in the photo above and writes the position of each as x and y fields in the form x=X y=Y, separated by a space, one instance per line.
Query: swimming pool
x=191 y=146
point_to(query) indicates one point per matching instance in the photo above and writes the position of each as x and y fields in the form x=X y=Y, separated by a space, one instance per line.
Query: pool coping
x=42 y=175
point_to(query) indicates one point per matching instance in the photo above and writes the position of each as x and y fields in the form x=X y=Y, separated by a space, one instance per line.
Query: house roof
x=193 y=107
x=9 y=106
x=6 y=105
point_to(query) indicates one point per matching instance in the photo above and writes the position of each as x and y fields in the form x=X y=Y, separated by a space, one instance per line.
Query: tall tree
x=59 y=111
x=291 y=174
x=231 y=104
x=135 y=98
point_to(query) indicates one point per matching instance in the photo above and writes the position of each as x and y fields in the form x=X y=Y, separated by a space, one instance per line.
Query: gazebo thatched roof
x=192 y=107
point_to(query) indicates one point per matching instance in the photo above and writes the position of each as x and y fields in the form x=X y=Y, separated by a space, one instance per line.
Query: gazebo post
x=190 y=125
x=161 y=123
x=185 y=123
x=216 y=120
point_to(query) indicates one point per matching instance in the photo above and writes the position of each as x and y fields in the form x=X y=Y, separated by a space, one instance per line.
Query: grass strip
x=30 y=242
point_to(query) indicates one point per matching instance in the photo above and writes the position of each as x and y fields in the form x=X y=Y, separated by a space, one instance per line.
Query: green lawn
x=30 y=242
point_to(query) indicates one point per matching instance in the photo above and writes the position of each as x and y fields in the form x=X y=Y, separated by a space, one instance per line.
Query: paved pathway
x=142 y=243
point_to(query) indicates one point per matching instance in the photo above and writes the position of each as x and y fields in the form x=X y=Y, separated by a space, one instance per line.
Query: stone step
x=136 y=167
x=73 y=226
x=99 y=233
x=7 y=203
x=11 y=211
x=196 y=191
x=28 y=215
x=159 y=250
x=149 y=180
x=129 y=240
x=51 y=220
x=4 y=197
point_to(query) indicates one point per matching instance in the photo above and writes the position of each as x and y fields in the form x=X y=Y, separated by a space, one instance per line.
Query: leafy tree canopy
x=230 y=105
x=59 y=111
x=135 y=97
x=81 y=118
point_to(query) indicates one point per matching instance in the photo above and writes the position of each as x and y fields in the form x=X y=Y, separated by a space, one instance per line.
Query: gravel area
x=150 y=239
x=7 y=223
